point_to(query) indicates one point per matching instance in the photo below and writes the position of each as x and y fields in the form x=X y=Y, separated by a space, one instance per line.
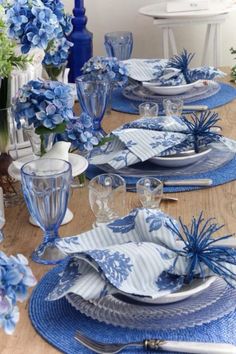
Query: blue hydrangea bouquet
x=47 y=106
x=40 y=24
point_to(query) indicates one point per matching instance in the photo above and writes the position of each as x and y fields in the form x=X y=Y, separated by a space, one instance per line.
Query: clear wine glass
x=93 y=97
x=107 y=197
x=46 y=185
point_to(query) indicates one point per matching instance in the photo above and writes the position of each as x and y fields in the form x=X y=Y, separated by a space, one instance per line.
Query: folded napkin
x=145 y=138
x=140 y=255
x=172 y=72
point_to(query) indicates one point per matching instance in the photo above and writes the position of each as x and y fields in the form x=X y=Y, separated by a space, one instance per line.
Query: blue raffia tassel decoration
x=202 y=252
x=182 y=62
x=200 y=128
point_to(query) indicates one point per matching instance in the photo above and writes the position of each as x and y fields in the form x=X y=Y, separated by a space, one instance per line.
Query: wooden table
x=21 y=237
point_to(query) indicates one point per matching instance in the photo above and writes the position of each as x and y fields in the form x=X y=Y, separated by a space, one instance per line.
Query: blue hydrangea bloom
x=58 y=52
x=9 y=320
x=15 y=279
x=44 y=103
x=79 y=132
x=106 y=68
x=32 y=23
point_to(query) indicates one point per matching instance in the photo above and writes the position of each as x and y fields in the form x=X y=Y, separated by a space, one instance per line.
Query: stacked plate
x=183 y=165
x=204 y=301
x=148 y=91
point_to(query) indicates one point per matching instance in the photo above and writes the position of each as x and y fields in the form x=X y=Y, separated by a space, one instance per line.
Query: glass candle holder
x=173 y=106
x=107 y=197
x=150 y=192
x=148 y=109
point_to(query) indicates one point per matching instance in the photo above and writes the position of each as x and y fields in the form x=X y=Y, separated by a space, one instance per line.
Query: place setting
x=184 y=150
x=159 y=79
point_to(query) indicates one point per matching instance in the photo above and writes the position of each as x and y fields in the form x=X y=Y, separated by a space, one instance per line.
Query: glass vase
x=8 y=153
x=40 y=143
x=55 y=73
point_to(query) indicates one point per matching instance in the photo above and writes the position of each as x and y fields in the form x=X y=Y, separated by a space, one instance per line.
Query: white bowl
x=173 y=90
x=180 y=160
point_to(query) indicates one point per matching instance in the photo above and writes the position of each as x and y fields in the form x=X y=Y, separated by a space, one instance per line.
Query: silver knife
x=189 y=182
x=195 y=108
x=204 y=182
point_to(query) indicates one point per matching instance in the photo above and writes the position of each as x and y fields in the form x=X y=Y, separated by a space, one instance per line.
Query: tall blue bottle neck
x=79 y=20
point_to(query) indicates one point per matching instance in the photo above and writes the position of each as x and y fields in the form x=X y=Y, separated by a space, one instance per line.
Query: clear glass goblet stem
x=45 y=185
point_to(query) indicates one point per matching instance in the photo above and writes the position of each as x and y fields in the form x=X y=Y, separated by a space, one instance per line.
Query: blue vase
x=82 y=50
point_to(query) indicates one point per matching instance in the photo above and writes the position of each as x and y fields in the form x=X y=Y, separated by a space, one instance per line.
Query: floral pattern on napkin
x=169 y=72
x=143 y=254
x=145 y=138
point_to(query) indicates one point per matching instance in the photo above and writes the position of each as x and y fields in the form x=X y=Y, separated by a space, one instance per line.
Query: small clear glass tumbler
x=150 y=192
x=46 y=186
x=119 y=44
x=107 y=197
x=148 y=109
x=173 y=106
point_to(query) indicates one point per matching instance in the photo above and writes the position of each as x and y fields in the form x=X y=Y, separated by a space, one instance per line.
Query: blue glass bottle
x=82 y=50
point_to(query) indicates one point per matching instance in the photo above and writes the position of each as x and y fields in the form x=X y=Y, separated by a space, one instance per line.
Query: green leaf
x=105 y=140
x=58 y=129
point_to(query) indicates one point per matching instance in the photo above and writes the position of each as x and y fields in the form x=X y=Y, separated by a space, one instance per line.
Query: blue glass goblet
x=93 y=97
x=119 y=44
x=45 y=186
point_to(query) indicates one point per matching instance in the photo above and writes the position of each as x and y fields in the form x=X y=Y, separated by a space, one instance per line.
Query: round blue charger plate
x=57 y=322
x=221 y=175
x=226 y=94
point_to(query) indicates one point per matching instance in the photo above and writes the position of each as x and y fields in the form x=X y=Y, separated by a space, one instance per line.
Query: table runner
x=226 y=94
x=58 y=321
x=221 y=175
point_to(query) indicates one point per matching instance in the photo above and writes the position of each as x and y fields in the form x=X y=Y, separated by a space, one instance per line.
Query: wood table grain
x=21 y=237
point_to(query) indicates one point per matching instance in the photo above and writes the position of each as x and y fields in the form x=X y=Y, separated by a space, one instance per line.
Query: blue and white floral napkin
x=161 y=71
x=137 y=254
x=145 y=138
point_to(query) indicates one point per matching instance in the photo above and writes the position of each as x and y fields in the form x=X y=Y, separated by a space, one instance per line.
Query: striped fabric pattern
x=145 y=138
x=136 y=255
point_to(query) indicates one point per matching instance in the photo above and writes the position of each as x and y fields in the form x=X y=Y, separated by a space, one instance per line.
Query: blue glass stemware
x=119 y=44
x=46 y=185
x=93 y=97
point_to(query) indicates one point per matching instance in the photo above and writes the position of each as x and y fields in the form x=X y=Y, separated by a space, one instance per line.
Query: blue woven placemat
x=58 y=321
x=219 y=176
x=226 y=94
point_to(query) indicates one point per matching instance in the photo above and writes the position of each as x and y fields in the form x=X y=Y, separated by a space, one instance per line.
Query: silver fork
x=156 y=344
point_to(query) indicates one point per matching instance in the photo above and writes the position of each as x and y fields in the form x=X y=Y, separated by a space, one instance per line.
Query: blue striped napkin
x=160 y=71
x=137 y=254
x=145 y=138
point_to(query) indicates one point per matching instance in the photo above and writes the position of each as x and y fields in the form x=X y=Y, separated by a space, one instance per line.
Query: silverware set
x=156 y=345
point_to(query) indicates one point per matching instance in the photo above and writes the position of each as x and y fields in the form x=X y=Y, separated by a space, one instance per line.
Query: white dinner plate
x=196 y=287
x=79 y=165
x=179 y=160
x=173 y=90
